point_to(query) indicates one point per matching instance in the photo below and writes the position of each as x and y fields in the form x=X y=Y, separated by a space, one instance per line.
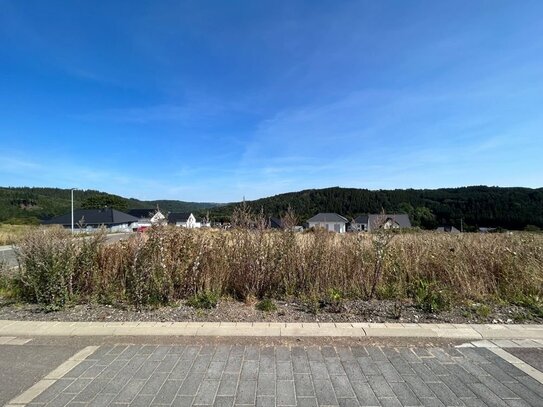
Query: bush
x=266 y=305
x=47 y=259
x=206 y=300
x=429 y=298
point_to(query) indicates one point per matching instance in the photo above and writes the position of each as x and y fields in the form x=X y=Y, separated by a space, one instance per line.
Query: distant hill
x=474 y=206
x=31 y=205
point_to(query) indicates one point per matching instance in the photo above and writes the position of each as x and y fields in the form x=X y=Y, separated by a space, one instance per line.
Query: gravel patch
x=235 y=311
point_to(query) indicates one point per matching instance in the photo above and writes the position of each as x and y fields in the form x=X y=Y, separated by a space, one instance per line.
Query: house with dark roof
x=89 y=219
x=372 y=221
x=329 y=221
x=275 y=223
x=183 y=219
x=447 y=229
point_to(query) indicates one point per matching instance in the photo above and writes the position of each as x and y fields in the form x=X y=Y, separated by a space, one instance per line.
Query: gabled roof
x=328 y=217
x=447 y=228
x=275 y=223
x=107 y=216
x=175 y=217
x=373 y=219
x=142 y=213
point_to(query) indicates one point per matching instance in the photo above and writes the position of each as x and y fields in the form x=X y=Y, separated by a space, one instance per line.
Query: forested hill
x=31 y=205
x=477 y=206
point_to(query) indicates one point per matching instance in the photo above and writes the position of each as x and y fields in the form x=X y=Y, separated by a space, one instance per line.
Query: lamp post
x=73 y=189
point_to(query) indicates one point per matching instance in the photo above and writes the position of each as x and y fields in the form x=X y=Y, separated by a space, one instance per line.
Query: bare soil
x=287 y=311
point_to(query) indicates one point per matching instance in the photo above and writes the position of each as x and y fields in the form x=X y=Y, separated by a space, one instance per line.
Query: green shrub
x=266 y=305
x=205 y=300
x=429 y=298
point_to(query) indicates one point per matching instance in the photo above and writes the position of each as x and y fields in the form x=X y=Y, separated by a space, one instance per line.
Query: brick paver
x=225 y=375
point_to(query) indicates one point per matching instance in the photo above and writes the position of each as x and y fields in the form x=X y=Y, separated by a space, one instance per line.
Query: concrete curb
x=265 y=329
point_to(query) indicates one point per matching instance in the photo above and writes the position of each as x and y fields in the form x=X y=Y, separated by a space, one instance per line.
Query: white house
x=366 y=223
x=147 y=218
x=185 y=220
x=329 y=221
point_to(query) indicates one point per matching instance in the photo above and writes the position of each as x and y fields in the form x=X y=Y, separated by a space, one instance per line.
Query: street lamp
x=73 y=189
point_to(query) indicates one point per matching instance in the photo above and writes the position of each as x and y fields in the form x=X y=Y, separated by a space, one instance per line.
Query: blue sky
x=216 y=100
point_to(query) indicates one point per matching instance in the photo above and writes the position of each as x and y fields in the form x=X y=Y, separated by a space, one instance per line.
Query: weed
x=205 y=300
x=266 y=305
x=428 y=297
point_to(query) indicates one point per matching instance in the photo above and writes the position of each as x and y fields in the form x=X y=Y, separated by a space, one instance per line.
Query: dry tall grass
x=167 y=264
x=10 y=234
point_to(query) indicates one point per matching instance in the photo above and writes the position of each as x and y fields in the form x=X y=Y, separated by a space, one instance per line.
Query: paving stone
x=334 y=366
x=422 y=371
x=80 y=369
x=129 y=352
x=200 y=364
x=298 y=351
x=167 y=392
x=246 y=393
x=233 y=365
x=206 y=392
x=252 y=353
x=304 y=385
x=518 y=403
x=237 y=350
x=208 y=350
x=523 y=392
x=328 y=352
x=284 y=370
x=54 y=390
x=181 y=370
x=366 y=396
x=190 y=384
x=457 y=387
x=353 y=371
x=249 y=370
x=265 y=384
x=324 y=392
x=343 y=402
x=474 y=402
x=282 y=353
x=153 y=385
x=61 y=400
x=147 y=369
x=183 y=401
x=409 y=356
x=167 y=364
x=444 y=394
x=390 y=402
x=130 y=391
x=267 y=364
x=176 y=350
x=215 y=369
x=224 y=401
x=498 y=388
x=359 y=351
x=401 y=366
x=486 y=395
x=300 y=364
x=285 y=393
x=318 y=370
x=265 y=401
x=345 y=354
x=89 y=392
x=221 y=353
x=405 y=394
x=342 y=387
x=314 y=354
x=307 y=402
x=228 y=384
x=142 y=400
x=389 y=372
x=431 y=402
x=376 y=354
x=436 y=367
x=103 y=400
x=368 y=366
x=77 y=385
x=380 y=387
x=418 y=386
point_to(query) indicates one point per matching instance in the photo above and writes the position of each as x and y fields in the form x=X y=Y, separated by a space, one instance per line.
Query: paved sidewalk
x=227 y=375
x=264 y=329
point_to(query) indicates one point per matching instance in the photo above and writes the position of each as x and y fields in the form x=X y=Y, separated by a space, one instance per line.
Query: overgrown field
x=166 y=264
x=10 y=234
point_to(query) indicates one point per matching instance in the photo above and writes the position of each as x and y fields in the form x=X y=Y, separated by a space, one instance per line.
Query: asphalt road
x=22 y=366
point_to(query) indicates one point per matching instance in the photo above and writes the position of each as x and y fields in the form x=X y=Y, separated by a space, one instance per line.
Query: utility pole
x=462 y=225
x=73 y=210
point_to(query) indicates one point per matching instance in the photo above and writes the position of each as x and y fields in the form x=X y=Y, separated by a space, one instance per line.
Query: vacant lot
x=10 y=234
x=428 y=271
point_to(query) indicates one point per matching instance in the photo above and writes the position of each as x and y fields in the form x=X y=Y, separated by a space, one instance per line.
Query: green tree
x=105 y=201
